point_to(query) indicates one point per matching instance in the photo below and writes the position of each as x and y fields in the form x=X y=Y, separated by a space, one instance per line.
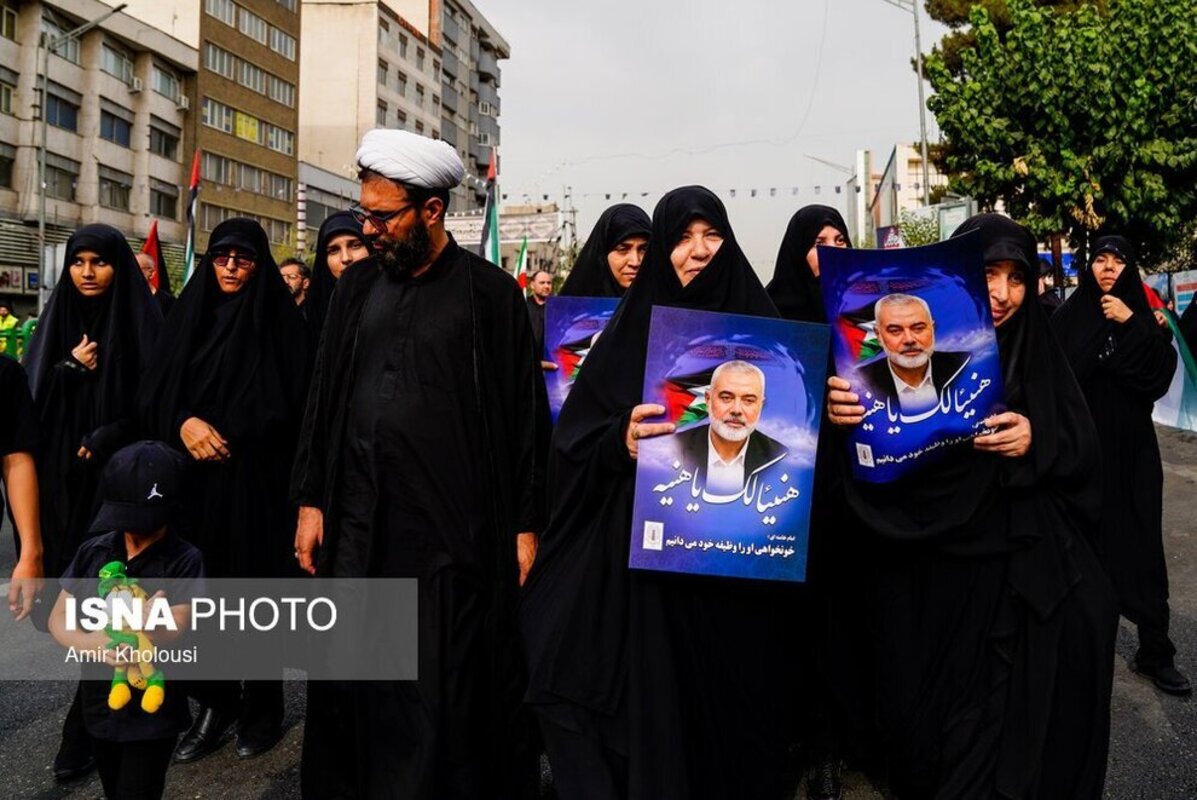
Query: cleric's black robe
x=419 y=445
x=1123 y=368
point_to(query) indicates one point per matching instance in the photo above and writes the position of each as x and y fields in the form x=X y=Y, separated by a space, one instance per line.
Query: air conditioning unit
x=135 y=85
x=183 y=102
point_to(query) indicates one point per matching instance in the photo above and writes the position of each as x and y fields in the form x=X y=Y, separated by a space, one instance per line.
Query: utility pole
x=47 y=44
x=911 y=7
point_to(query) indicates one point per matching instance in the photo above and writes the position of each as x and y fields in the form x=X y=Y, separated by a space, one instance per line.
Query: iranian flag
x=488 y=248
x=521 y=266
x=192 y=198
x=1177 y=408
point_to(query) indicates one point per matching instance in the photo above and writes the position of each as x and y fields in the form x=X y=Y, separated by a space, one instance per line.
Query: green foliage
x=918 y=229
x=1080 y=121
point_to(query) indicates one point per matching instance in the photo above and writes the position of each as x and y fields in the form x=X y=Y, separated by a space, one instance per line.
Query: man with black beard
x=418 y=459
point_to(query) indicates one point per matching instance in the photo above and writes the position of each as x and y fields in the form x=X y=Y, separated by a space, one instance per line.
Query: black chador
x=591 y=275
x=323 y=280
x=1123 y=368
x=419 y=446
x=993 y=622
x=648 y=685
x=87 y=408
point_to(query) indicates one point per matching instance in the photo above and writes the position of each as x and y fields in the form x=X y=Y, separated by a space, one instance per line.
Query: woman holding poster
x=649 y=684
x=995 y=623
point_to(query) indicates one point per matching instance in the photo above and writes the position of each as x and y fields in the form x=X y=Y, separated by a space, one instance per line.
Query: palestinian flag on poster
x=1177 y=408
x=192 y=197
x=153 y=248
x=570 y=355
x=521 y=266
x=859 y=330
x=488 y=248
x=685 y=397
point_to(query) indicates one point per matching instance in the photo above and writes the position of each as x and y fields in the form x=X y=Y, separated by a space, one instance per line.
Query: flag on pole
x=521 y=266
x=193 y=196
x=488 y=248
x=1177 y=408
x=153 y=248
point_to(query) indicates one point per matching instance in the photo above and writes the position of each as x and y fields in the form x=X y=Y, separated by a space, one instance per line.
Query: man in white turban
x=420 y=456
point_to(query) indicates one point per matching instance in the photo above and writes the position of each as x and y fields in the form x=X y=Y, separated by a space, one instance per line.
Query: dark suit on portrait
x=945 y=366
x=694 y=448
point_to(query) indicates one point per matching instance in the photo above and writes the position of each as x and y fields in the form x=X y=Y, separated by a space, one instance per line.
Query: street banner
x=913 y=335
x=1184 y=285
x=729 y=492
x=571 y=327
x=1178 y=407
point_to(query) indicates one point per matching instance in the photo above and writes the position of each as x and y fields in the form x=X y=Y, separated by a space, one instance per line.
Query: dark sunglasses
x=239 y=261
x=378 y=219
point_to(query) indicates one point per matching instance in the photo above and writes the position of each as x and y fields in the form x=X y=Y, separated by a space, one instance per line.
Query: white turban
x=410 y=158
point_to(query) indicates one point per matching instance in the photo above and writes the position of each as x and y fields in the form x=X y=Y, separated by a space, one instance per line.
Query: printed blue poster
x=729 y=492
x=571 y=326
x=912 y=333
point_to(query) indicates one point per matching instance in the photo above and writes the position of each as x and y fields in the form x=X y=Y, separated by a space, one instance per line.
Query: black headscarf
x=956 y=499
x=124 y=320
x=1080 y=323
x=591 y=275
x=794 y=288
x=323 y=282
x=239 y=362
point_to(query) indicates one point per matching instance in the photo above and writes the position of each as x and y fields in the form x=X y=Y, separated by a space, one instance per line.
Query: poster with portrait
x=571 y=326
x=729 y=492
x=913 y=335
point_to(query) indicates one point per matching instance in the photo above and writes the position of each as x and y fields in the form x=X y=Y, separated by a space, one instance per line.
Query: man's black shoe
x=251 y=746
x=206 y=735
x=67 y=769
x=824 y=782
x=1167 y=679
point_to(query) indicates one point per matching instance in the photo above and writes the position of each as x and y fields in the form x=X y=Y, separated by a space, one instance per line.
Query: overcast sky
x=646 y=95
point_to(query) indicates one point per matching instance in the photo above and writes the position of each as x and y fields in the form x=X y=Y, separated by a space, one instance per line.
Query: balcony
x=488 y=94
x=449 y=98
x=488 y=64
x=449 y=132
x=449 y=64
x=450 y=29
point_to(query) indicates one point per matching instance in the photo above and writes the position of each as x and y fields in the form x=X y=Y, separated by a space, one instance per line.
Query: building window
x=278 y=139
x=419 y=127
x=164 y=82
x=401 y=84
x=115 y=129
x=211 y=216
x=216 y=169
x=217 y=115
x=380 y=116
x=8 y=21
x=164 y=143
x=250 y=179
x=115 y=188
x=60 y=179
x=164 y=200
x=220 y=61
x=384 y=72
x=7 y=92
x=282 y=43
x=62 y=113
x=384 y=31
x=68 y=49
x=253 y=77
x=419 y=95
x=436 y=67
x=400 y=119
x=223 y=10
x=281 y=91
x=252 y=26
x=403 y=45
x=280 y=187
x=287 y=4
x=420 y=58
x=8 y=159
x=116 y=63
x=436 y=134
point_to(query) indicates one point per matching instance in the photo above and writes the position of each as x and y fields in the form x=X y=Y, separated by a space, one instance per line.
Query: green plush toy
x=141 y=674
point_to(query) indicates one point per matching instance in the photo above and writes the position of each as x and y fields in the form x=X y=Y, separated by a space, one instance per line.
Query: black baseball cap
x=141 y=488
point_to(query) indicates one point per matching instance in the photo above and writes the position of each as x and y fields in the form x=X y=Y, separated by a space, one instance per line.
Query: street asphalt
x=1153 y=748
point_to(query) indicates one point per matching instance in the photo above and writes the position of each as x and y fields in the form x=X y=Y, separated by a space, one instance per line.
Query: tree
x=1077 y=122
x=918 y=229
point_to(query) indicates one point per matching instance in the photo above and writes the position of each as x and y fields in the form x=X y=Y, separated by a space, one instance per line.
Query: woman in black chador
x=994 y=623
x=649 y=685
x=1125 y=361
x=612 y=255
x=84 y=363
x=339 y=245
x=227 y=384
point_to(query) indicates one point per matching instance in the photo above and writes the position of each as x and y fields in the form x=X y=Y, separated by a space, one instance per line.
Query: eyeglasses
x=239 y=261
x=378 y=219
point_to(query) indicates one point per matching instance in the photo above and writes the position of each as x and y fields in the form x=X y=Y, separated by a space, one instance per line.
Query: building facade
x=116 y=134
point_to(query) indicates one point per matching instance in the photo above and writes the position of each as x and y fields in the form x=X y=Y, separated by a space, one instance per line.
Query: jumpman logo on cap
x=154 y=493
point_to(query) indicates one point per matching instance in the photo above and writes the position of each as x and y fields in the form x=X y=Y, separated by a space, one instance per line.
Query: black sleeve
x=1144 y=359
x=187 y=577
x=18 y=417
x=81 y=576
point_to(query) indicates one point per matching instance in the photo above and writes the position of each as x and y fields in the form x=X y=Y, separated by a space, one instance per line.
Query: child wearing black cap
x=140 y=488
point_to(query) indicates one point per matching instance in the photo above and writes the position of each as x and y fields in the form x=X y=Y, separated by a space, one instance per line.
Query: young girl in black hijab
x=994 y=623
x=612 y=255
x=226 y=384
x=339 y=245
x=1125 y=361
x=85 y=360
x=649 y=685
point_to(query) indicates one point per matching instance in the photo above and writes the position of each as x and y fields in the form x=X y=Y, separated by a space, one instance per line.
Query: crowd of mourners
x=383 y=414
